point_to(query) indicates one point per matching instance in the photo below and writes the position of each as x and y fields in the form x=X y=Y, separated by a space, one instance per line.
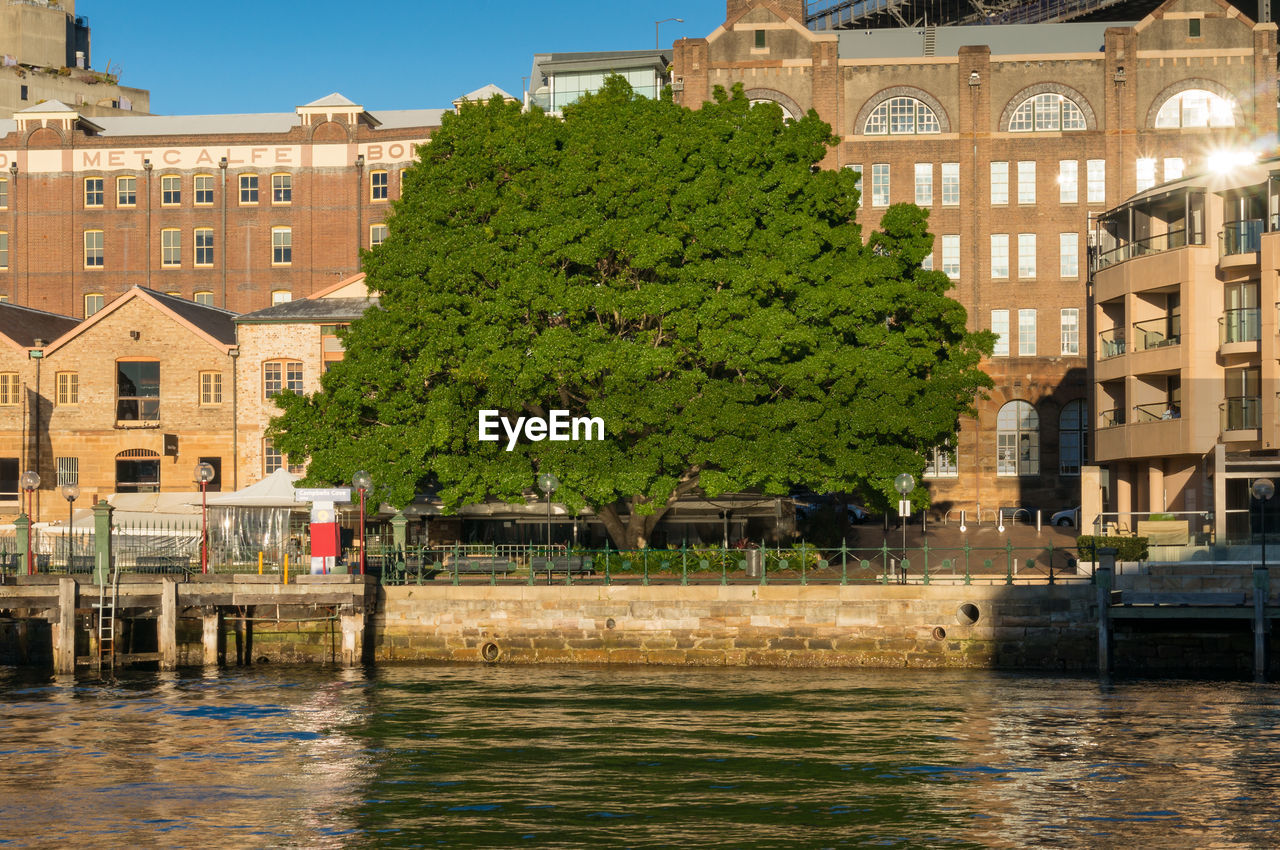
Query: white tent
x=254 y=519
x=274 y=491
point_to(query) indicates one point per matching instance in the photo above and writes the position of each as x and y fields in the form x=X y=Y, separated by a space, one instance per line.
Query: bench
x=563 y=564
x=478 y=564
x=1133 y=597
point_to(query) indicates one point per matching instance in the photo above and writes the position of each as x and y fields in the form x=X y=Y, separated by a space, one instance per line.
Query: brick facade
x=1119 y=82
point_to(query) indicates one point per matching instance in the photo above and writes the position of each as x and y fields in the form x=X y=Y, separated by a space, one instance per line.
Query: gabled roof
x=484 y=93
x=310 y=311
x=333 y=99
x=47 y=106
x=22 y=326
x=213 y=324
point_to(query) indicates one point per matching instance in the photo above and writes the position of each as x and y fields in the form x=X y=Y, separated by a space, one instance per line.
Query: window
x=248 y=188
x=93 y=302
x=9 y=476
x=1027 y=182
x=378 y=184
x=951 y=184
x=170 y=190
x=377 y=235
x=951 y=256
x=204 y=297
x=1069 y=254
x=1046 y=113
x=68 y=388
x=204 y=246
x=942 y=462
x=1096 y=176
x=1017 y=440
x=924 y=184
x=999 y=255
x=281 y=296
x=1068 y=181
x=281 y=188
x=281 y=376
x=93 y=254
x=759 y=42
x=1026 y=333
x=273 y=460
x=138 y=471
x=331 y=347
x=211 y=388
x=204 y=190
x=281 y=246
x=170 y=248
x=1193 y=28
x=93 y=192
x=138 y=390
x=927 y=263
x=1073 y=437
x=1070 y=331
x=1196 y=108
x=1000 y=327
x=4 y=193
x=858 y=183
x=901 y=116
x=999 y=183
x=4 y=250
x=126 y=191
x=1173 y=168
x=1146 y=173
x=68 y=470
x=10 y=389
x=880 y=184
x=1026 y=255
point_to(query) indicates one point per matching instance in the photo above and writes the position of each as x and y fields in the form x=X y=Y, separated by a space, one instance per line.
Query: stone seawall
x=711 y=625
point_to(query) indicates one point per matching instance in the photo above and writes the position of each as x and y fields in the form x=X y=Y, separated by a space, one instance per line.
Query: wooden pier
x=67 y=602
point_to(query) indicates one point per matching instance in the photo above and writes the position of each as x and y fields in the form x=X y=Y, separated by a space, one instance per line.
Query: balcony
x=1157 y=333
x=1154 y=412
x=1111 y=343
x=1111 y=418
x=1241 y=237
x=1240 y=325
x=1142 y=247
x=1241 y=413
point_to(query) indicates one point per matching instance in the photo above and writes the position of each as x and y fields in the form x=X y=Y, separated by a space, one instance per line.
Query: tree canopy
x=689 y=276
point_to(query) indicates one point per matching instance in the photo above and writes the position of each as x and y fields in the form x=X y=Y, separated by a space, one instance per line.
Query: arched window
x=1196 y=108
x=1017 y=440
x=138 y=471
x=786 y=113
x=1047 y=112
x=1073 y=437
x=901 y=116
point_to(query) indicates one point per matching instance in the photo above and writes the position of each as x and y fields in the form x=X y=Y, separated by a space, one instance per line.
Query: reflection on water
x=502 y=756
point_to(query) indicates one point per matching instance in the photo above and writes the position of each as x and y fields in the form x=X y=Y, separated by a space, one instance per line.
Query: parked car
x=1070 y=518
x=856 y=513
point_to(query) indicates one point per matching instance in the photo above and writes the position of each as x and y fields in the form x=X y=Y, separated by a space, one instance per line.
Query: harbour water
x=474 y=756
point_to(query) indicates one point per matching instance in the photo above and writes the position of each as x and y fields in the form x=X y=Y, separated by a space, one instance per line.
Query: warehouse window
x=248 y=188
x=1047 y=112
x=170 y=190
x=204 y=190
x=901 y=116
x=378 y=185
x=1017 y=440
x=281 y=188
x=281 y=246
x=126 y=191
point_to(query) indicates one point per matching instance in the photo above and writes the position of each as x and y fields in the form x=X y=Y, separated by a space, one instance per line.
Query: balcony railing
x=1243 y=324
x=1241 y=413
x=1109 y=418
x=1240 y=237
x=1155 y=412
x=1111 y=343
x=1141 y=247
x=1158 y=333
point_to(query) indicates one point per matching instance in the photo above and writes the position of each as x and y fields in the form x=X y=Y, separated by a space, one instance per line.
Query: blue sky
x=199 y=58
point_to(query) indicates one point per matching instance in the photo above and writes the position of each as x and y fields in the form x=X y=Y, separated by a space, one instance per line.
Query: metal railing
x=1157 y=244
x=1158 y=333
x=1243 y=324
x=1111 y=418
x=1241 y=413
x=1241 y=237
x=1154 y=412
x=1111 y=343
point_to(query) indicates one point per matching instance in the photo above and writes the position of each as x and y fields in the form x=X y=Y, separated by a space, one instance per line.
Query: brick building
x=128 y=401
x=234 y=211
x=1012 y=137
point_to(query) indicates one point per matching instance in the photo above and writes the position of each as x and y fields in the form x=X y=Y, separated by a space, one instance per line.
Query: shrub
x=1127 y=548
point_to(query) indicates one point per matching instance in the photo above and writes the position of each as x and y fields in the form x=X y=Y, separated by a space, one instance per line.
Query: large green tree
x=689 y=276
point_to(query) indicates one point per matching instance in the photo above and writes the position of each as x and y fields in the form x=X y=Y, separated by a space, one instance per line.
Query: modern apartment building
x=1186 y=376
x=1013 y=137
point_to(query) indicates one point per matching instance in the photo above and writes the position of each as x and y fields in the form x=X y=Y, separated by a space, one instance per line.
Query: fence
x=802 y=564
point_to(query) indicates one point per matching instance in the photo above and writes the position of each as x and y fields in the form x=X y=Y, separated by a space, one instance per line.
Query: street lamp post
x=29 y=481
x=1263 y=489
x=70 y=492
x=362 y=482
x=204 y=474
x=904 y=484
x=548 y=483
x=657 y=41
